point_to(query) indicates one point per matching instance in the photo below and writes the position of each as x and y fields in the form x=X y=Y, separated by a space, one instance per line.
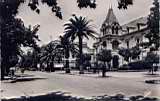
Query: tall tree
x=69 y=47
x=50 y=52
x=153 y=25
x=14 y=34
x=79 y=27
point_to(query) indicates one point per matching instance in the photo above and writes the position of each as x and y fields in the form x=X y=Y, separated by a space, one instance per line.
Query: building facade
x=114 y=36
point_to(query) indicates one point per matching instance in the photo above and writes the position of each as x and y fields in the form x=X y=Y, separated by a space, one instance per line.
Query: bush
x=124 y=67
x=152 y=57
x=104 y=55
x=125 y=53
x=139 y=65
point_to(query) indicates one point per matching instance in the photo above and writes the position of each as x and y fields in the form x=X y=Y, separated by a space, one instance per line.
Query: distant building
x=86 y=50
x=115 y=36
x=72 y=57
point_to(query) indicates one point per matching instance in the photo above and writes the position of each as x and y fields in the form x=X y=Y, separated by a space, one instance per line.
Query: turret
x=111 y=24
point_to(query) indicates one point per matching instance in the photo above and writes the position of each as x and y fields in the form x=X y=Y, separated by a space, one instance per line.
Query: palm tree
x=79 y=27
x=68 y=47
x=50 y=52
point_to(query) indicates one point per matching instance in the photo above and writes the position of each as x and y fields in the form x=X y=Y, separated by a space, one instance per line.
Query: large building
x=114 y=36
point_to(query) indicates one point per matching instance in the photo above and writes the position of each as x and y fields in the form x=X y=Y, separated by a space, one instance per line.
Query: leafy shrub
x=124 y=67
x=125 y=53
x=104 y=55
x=139 y=65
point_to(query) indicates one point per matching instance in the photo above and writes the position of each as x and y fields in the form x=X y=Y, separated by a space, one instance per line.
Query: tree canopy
x=104 y=55
x=53 y=4
x=153 y=25
x=14 y=34
x=127 y=53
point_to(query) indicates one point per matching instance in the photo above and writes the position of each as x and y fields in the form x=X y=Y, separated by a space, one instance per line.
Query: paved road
x=87 y=85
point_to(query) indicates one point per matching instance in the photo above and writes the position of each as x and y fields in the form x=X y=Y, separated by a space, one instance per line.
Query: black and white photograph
x=80 y=50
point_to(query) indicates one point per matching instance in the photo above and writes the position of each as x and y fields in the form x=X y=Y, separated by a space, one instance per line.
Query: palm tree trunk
x=104 y=70
x=67 y=61
x=40 y=66
x=80 y=55
x=67 y=66
x=52 y=65
x=48 y=67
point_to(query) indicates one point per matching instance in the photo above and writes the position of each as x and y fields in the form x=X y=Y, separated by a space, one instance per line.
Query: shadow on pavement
x=97 y=75
x=22 y=79
x=24 y=75
x=152 y=81
x=151 y=75
x=60 y=96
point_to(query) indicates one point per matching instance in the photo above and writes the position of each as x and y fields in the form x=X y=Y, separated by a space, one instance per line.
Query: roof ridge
x=134 y=19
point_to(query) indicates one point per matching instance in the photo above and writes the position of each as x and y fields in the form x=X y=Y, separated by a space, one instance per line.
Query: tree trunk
x=67 y=61
x=104 y=70
x=152 y=70
x=52 y=65
x=2 y=70
x=80 y=55
x=5 y=64
x=4 y=67
x=7 y=69
x=67 y=66
x=40 y=66
x=48 y=67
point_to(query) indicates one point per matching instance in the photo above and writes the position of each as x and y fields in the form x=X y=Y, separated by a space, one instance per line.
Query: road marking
x=147 y=93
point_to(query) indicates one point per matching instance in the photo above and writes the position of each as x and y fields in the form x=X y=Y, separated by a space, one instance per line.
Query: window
x=112 y=29
x=115 y=44
x=127 y=42
x=104 y=44
x=137 y=40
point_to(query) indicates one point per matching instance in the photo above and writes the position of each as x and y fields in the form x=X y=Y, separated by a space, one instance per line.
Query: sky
x=52 y=27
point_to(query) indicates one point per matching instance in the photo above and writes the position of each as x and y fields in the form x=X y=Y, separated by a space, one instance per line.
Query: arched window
x=116 y=29
x=104 y=44
x=113 y=29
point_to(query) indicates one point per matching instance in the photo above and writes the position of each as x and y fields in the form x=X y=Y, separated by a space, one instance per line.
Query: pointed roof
x=111 y=18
